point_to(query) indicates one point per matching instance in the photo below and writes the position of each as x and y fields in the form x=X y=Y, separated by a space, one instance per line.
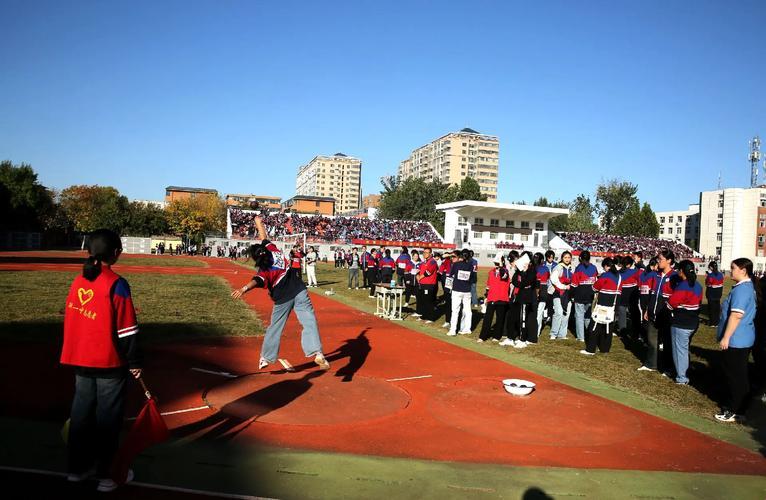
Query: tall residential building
x=733 y=225
x=338 y=176
x=682 y=226
x=455 y=156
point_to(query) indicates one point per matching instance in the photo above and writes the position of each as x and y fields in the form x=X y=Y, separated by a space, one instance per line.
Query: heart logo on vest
x=84 y=295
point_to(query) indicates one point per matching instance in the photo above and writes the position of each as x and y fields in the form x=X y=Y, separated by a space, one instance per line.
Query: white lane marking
x=223 y=374
x=178 y=411
x=408 y=378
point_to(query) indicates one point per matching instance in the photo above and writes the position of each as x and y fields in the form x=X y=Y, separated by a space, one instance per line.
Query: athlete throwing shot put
x=288 y=292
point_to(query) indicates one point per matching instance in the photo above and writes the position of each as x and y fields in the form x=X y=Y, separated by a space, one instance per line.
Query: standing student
x=444 y=270
x=353 y=269
x=558 y=289
x=101 y=343
x=496 y=295
x=713 y=293
x=474 y=295
x=296 y=260
x=387 y=267
x=288 y=293
x=311 y=267
x=512 y=330
x=684 y=304
x=584 y=277
x=630 y=278
x=736 y=336
x=545 y=305
x=427 y=287
x=638 y=259
x=371 y=265
x=410 y=284
x=401 y=266
x=658 y=315
x=645 y=292
x=363 y=259
x=527 y=298
x=460 y=273
x=608 y=287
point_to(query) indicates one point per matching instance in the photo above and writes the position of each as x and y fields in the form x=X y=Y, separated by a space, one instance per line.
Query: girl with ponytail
x=684 y=305
x=736 y=335
x=101 y=343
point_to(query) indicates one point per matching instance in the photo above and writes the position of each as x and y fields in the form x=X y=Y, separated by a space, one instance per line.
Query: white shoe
x=494 y=339
x=428 y=322
x=519 y=344
x=480 y=341
x=646 y=369
x=262 y=364
x=583 y=351
x=320 y=360
x=465 y=333
x=107 y=485
x=451 y=334
x=76 y=478
x=445 y=325
x=552 y=338
x=415 y=315
x=507 y=342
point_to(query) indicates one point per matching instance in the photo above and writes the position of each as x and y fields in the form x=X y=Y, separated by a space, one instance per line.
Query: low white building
x=733 y=225
x=489 y=228
x=682 y=226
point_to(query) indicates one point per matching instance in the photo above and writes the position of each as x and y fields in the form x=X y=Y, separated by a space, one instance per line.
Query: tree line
x=27 y=205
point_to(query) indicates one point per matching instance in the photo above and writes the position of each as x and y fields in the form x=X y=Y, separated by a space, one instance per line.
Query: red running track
x=459 y=413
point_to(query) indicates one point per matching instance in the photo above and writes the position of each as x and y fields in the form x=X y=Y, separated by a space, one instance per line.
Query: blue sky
x=235 y=95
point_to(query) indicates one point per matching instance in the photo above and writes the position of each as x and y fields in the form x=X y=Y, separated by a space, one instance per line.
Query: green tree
x=145 y=219
x=649 y=224
x=613 y=199
x=412 y=199
x=94 y=207
x=630 y=222
x=580 y=217
x=25 y=204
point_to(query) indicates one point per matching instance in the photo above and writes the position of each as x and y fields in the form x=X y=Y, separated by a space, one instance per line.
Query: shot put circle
x=482 y=407
x=306 y=398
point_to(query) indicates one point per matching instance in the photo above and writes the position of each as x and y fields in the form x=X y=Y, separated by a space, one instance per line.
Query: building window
x=678 y=230
x=510 y=223
x=761 y=239
x=662 y=230
x=479 y=221
x=525 y=224
x=662 y=220
x=492 y=236
x=524 y=237
x=670 y=218
x=539 y=226
x=719 y=237
x=461 y=220
x=477 y=235
x=494 y=222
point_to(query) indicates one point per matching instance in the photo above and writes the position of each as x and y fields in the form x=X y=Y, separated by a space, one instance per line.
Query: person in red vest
x=101 y=343
x=296 y=260
x=427 y=287
x=497 y=295
x=444 y=270
x=371 y=269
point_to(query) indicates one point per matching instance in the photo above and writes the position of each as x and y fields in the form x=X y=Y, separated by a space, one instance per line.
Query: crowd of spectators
x=611 y=243
x=321 y=228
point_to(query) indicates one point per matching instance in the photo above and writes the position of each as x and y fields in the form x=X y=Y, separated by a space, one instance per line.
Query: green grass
x=616 y=369
x=159 y=261
x=169 y=307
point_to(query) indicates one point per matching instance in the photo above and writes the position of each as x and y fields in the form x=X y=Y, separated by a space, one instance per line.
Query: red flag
x=148 y=429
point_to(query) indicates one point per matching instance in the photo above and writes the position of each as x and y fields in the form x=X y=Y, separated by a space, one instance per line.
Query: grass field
x=169 y=307
x=160 y=261
x=618 y=368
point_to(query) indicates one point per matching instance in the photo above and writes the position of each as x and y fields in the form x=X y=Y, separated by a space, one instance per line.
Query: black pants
x=713 y=312
x=598 y=335
x=94 y=429
x=399 y=277
x=513 y=321
x=494 y=308
x=371 y=271
x=426 y=305
x=529 y=322
x=659 y=333
x=386 y=275
x=734 y=364
x=447 y=297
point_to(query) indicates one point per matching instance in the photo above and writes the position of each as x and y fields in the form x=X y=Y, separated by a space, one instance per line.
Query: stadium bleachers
x=610 y=243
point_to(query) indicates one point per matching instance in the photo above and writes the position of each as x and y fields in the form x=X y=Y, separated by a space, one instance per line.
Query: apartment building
x=338 y=177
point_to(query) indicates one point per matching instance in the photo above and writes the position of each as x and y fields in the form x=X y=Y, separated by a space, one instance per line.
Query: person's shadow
x=356 y=350
x=236 y=416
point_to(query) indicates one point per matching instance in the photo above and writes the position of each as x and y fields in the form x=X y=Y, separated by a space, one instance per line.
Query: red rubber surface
x=460 y=413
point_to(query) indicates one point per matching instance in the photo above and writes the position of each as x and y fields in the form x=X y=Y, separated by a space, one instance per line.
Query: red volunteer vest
x=89 y=323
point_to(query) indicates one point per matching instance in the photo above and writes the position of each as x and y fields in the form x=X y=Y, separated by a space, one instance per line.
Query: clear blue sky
x=235 y=95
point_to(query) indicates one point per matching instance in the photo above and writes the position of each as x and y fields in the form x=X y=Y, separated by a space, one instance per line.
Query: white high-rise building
x=338 y=176
x=682 y=226
x=733 y=225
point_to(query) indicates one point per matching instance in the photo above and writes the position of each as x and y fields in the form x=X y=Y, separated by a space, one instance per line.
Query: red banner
x=416 y=244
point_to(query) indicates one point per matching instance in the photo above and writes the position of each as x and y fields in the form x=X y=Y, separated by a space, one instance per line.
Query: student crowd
x=611 y=243
x=656 y=304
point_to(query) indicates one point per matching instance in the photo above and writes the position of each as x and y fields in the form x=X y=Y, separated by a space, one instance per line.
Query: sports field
x=404 y=412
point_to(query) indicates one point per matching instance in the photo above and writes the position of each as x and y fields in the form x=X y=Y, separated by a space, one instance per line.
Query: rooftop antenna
x=755 y=158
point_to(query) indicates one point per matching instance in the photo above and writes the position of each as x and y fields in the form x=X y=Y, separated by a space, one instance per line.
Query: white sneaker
x=445 y=325
x=507 y=342
x=480 y=341
x=415 y=315
x=428 y=322
x=107 y=485
x=262 y=364
x=551 y=338
x=646 y=369
x=583 y=351
x=320 y=360
x=519 y=344
x=451 y=334
x=465 y=333
x=494 y=339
